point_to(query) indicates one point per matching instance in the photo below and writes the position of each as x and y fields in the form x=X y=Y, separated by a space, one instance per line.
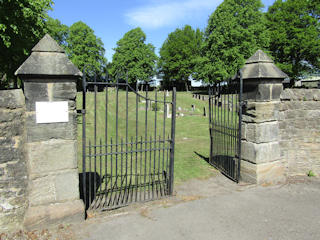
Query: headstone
x=168 y=114
x=204 y=112
x=167 y=94
x=193 y=107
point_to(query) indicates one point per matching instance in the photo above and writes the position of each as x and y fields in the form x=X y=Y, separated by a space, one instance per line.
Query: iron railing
x=225 y=117
x=127 y=145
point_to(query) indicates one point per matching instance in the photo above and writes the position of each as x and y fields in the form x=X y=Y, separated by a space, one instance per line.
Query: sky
x=111 y=19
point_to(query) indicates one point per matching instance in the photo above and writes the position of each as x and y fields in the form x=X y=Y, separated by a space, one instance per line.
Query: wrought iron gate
x=225 y=116
x=128 y=143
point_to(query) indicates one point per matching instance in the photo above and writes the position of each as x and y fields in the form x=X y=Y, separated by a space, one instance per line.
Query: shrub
x=155 y=106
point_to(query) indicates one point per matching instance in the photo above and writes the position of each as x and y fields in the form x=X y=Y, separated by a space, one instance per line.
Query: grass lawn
x=192 y=129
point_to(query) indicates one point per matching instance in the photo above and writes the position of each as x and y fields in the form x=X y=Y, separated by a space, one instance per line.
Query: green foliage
x=57 y=31
x=178 y=54
x=156 y=106
x=21 y=26
x=311 y=174
x=85 y=50
x=133 y=58
x=236 y=29
x=294 y=32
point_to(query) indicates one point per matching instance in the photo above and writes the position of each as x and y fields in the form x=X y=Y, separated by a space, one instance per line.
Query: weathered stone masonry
x=280 y=128
x=261 y=156
x=299 y=126
x=39 y=183
x=13 y=169
x=53 y=188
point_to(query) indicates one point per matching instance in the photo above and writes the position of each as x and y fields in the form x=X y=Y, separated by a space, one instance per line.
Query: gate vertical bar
x=210 y=123
x=137 y=117
x=155 y=143
x=164 y=138
x=95 y=143
x=126 y=174
x=146 y=144
x=173 y=126
x=84 y=86
x=240 y=125
x=106 y=145
x=117 y=115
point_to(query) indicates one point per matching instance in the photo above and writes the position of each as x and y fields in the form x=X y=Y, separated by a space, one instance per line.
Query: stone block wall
x=13 y=169
x=299 y=126
x=261 y=156
x=52 y=156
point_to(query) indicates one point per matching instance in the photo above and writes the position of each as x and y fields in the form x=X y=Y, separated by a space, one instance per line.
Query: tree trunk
x=15 y=82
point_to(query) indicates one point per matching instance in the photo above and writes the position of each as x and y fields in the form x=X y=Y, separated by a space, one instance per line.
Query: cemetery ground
x=192 y=128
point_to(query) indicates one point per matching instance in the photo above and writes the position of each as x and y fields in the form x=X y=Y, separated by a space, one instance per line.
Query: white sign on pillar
x=52 y=112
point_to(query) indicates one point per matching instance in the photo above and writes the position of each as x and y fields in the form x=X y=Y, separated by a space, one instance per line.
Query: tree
x=57 y=31
x=236 y=29
x=85 y=50
x=21 y=26
x=295 y=35
x=178 y=54
x=133 y=58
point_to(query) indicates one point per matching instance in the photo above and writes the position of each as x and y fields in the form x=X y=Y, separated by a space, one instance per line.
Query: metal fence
x=225 y=116
x=128 y=141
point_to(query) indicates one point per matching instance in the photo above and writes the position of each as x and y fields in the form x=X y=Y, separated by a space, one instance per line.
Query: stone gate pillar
x=50 y=90
x=261 y=157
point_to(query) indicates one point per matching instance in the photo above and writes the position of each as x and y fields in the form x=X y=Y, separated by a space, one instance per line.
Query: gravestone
x=204 y=112
x=168 y=114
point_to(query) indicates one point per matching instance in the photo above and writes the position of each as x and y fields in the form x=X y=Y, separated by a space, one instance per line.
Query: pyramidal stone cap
x=260 y=66
x=48 y=59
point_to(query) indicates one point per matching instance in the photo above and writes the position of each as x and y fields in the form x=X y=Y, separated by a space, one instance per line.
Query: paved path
x=217 y=209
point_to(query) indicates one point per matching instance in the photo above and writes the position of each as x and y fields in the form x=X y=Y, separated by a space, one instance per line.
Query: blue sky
x=111 y=19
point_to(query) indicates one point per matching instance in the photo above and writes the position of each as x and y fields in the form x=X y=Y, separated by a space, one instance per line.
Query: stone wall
x=299 y=125
x=13 y=170
x=52 y=156
x=261 y=158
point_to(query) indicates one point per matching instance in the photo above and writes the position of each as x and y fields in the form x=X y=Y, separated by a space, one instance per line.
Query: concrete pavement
x=217 y=209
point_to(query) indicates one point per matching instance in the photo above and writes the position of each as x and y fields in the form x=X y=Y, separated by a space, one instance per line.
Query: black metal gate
x=128 y=140
x=225 y=116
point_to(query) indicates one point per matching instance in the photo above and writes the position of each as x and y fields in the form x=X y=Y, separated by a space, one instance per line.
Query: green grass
x=192 y=129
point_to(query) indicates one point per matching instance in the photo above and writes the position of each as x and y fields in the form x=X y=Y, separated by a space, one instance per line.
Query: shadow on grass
x=223 y=163
x=203 y=157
